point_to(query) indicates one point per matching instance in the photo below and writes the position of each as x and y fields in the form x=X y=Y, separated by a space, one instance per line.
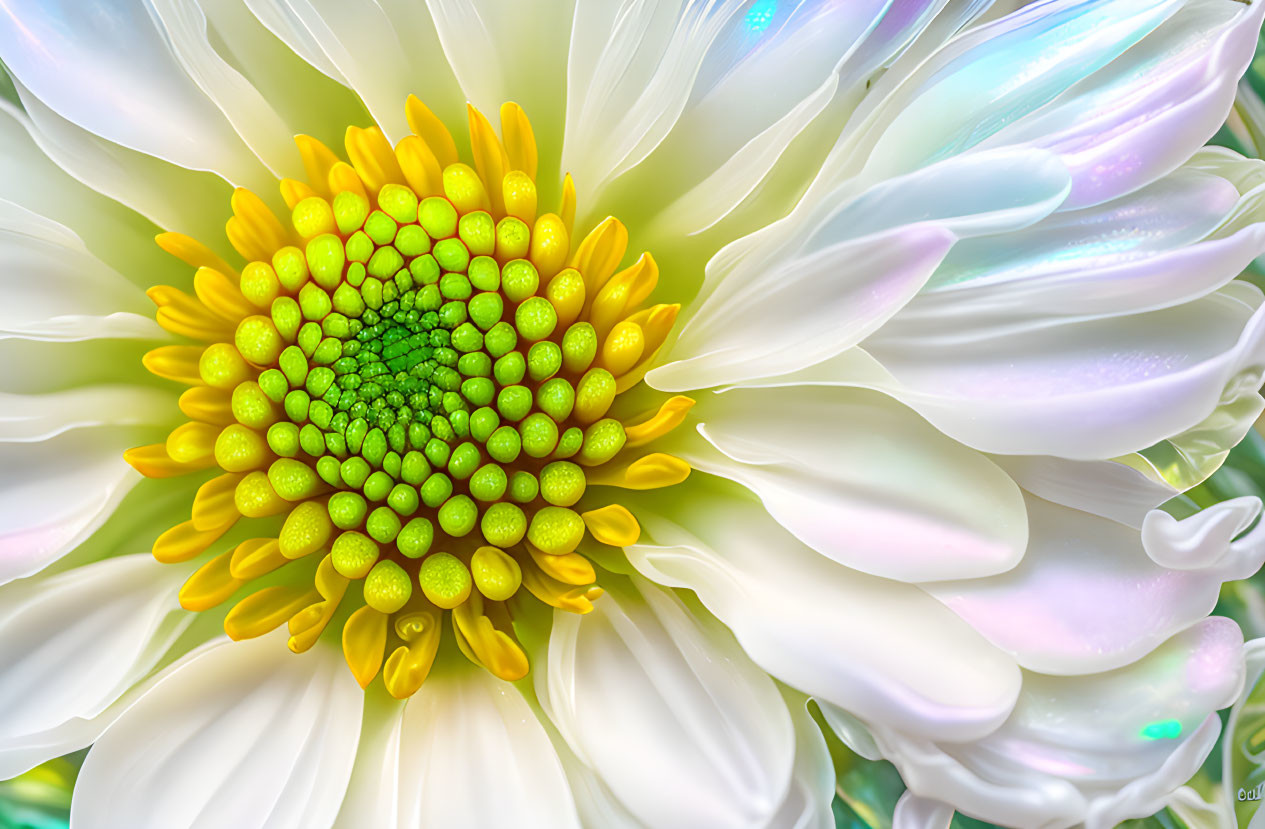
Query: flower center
x=419 y=374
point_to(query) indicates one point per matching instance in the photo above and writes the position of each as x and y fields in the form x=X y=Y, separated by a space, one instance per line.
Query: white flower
x=958 y=312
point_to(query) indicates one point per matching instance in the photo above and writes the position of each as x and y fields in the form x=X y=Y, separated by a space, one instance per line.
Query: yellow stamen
x=656 y=322
x=464 y=188
x=152 y=461
x=221 y=294
x=650 y=472
x=520 y=141
x=364 y=639
x=613 y=525
x=496 y=575
x=571 y=568
x=489 y=157
x=293 y=192
x=626 y=290
x=623 y=348
x=256 y=557
x=344 y=179
x=193 y=253
x=572 y=598
x=600 y=253
x=318 y=161
x=201 y=326
x=306 y=530
x=238 y=449
x=420 y=167
x=307 y=625
x=213 y=505
x=519 y=194
x=549 y=245
x=264 y=610
x=255 y=497
x=373 y=159
x=210 y=585
x=566 y=293
x=192 y=443
x=492 y=648
x=183 y=542
x=432 y=130
x=567 y=208
x=175 y=362
x=408 y=665
x=254 y=231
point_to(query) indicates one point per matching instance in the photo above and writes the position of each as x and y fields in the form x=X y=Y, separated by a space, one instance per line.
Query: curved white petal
x=21 y=753
x=883 y=650
x=913 y=812
x=140 y=182
x=55 y=289
x=184 y=24
x=374 y=793
x=26 y=418
x=1087 y=388
x=680 y=726
x=244 y=734
x=803 y=290
x=1146 y=112
x=108 y=623
x=55 y=493
x=808 y=801
x=959 y=98
x=1095 y=749
x=473 y=754
x=862 y=480
x=717 y=128
x=1107 y=488
x=110 y=69
x=30 y=178
x=1091 y=595
x=382 y=62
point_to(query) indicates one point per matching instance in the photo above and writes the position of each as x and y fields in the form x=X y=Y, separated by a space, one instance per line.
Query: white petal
x=56 y=493
x=504 y=50
x=72 y=643
x=28 y=418
x=185 y=26
x=862 y=480
x=1097 y=749
x=881 y=649
x=808 y=802
x=55 y=289
x=373 y=795
x=19 y=754
x=245 y=734
x=769 y=74
x=1089 y=596
x=913 y=812
x=380 y=61
x=1106 y=488
x=473 y=754
x=111 y=71
x=33 y=180
x=138 y=181
x=1150 y=109
x=1084 y=389
x=1003 y=71
x=681 y=727
x=802 y=291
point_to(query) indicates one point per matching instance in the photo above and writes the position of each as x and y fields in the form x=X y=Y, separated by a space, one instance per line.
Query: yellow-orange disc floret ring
x=417 y=374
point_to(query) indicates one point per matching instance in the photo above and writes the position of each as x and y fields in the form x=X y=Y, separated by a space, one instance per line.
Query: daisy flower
x=546 y=403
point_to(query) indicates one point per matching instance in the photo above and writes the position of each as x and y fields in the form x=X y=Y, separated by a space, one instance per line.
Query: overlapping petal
x=678 y=724
x=233 y=737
